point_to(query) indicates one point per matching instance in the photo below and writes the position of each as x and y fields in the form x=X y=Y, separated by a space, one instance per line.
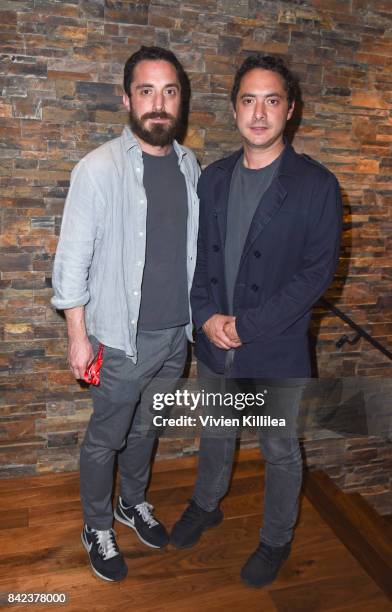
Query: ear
x=126 y=102
x=290 y=111
x=234 y=112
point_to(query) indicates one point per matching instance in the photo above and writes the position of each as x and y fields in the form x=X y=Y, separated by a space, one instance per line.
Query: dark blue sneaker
x=263 y=565
x=105 y=558
x=188 y=530
x=141 y=519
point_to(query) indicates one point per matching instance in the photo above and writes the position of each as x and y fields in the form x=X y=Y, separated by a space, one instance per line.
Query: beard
x=160 y=134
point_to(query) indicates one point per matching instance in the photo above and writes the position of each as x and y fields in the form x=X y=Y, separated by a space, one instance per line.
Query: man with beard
x=122 y=274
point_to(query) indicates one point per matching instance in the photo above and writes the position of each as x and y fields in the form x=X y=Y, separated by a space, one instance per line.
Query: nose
x=159 y=102
x=259 y=111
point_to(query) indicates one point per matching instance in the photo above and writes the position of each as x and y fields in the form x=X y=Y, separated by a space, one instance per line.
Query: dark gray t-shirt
x=247 y=187
x=164 y=298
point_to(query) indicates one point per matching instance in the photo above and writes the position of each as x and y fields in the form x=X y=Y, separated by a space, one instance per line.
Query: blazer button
x=216 y=248
x=257 y=254
x=214 y=280
x=255 y=287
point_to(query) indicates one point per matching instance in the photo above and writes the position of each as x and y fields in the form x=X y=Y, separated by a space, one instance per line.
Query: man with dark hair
x=122 y=274
x=266 y=62
x=270 y=222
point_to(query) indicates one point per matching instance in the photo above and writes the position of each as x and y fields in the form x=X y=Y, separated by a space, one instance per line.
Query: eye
x=171 y=91
x=273 y=101
x=247 y=101
x=145 y=91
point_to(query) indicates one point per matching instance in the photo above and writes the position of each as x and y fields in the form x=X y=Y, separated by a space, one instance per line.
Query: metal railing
x=360 y=332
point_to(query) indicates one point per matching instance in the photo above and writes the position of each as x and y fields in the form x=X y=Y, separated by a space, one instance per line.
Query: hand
x=215 y=332
x=80 y=355
x=231 y=332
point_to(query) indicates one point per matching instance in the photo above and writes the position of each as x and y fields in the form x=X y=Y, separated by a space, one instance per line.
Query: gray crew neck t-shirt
x=247 y=188
x=164 y=292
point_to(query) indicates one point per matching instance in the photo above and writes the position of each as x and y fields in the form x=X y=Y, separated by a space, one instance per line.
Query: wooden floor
x=40 y=523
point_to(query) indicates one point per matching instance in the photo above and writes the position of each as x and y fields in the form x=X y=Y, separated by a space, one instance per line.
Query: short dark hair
x=266 y=62
x=153 y=53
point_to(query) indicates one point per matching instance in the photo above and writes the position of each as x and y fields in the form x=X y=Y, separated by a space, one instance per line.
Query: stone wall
x=61 y=97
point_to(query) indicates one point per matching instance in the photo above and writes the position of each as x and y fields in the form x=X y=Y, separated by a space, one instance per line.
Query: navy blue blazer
x=288 y=261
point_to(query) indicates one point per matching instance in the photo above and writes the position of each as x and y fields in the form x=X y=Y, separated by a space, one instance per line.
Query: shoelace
x=107 y=544
x=144 y=510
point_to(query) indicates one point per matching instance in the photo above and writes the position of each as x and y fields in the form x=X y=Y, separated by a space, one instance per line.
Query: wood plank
x=244 y=459
x=18 y=517
x=46 y=555
x=361 y=529
x=231 y=543
x=172 y=594
x=376 y=602
x=194 y=575
x=327 y=594
x=65 y=487
x=36 y=496
x=24 y=483
x=53 y=493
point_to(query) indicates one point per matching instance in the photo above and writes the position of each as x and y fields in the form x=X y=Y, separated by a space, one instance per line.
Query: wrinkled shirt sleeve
x=79 y=230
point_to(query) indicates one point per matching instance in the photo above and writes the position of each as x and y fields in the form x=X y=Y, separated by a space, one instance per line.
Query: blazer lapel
x=268 y=206
x=220 y=209
x=222 y=192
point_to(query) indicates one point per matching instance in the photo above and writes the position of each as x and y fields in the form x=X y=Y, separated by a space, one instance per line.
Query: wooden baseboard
x=366 y=534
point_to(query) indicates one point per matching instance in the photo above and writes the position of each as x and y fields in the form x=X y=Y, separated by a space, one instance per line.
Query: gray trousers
x=283 y=471
x=115 y=425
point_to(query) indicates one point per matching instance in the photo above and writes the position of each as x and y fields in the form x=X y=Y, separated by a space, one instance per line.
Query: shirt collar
x=287 y=165
x=130 y=141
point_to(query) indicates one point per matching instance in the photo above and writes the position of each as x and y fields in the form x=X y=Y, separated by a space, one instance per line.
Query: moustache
x=157 y=115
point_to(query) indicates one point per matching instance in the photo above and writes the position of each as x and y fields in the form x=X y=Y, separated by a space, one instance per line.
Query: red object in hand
x=92 y=373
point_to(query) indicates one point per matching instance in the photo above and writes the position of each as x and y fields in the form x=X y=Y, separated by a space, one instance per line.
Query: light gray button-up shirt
x=101 y=251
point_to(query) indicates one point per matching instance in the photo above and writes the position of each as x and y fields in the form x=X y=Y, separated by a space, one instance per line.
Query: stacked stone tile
x=61 y=74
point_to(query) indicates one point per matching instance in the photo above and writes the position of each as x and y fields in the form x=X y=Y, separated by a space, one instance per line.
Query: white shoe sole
x=128 y=524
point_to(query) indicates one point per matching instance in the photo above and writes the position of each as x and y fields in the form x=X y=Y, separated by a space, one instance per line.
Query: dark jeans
x=118 y=426
x=283 y=471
